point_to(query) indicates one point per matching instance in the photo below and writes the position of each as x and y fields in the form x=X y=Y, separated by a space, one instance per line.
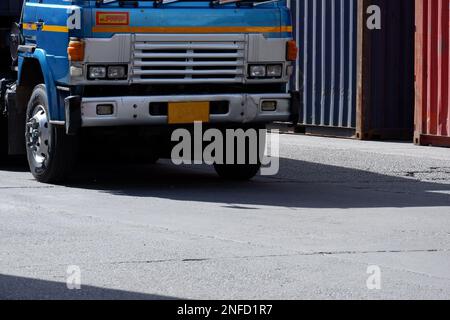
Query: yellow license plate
x=188 y=112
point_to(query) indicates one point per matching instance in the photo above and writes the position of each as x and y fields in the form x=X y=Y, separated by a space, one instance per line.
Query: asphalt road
x=163 y=232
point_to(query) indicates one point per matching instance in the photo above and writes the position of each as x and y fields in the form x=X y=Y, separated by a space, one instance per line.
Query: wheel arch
x=33 y=69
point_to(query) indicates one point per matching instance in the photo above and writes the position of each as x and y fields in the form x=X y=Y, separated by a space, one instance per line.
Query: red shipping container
x=432 y=120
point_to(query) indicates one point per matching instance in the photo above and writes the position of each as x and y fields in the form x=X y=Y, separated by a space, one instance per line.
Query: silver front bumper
x=131 y=110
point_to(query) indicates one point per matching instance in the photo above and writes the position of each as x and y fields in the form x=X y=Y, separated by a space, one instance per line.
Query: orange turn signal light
x=291 y=50
x=75 y=50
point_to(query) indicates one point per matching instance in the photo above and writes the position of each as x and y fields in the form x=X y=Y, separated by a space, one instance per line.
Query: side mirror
x=15 y=40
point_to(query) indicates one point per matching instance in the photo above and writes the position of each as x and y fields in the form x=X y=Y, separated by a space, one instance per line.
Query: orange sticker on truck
x=113 y=18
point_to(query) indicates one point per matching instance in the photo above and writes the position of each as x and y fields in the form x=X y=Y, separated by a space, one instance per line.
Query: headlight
x=257 y=71
x=117 y=72
x=97 y=72
x=275 y=70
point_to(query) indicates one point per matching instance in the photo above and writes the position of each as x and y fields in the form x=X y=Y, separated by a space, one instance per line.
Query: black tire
x=60 y=149
x=136 y=157
x=243 y=172
x=240 y=172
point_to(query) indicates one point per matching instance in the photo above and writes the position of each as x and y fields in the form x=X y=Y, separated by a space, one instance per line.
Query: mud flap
x=17 y=102
x=73 y=115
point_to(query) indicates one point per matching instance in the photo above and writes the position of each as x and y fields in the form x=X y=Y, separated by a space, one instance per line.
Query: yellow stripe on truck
x=29 y=26
x=55 y=28
x=47 y=28
x=128 y=29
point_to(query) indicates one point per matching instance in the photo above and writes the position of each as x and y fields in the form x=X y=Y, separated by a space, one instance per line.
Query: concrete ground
x=162 y=232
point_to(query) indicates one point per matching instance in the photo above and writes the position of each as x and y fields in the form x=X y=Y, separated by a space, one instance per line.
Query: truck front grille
x=170 y=61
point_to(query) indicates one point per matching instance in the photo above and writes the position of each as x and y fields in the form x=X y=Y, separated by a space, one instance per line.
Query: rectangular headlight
x=257 y=71
x=117 y=72
x=275 y=70
x=97 y=72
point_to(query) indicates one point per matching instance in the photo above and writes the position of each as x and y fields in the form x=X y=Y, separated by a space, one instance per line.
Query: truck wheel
x=50 y=152
x=240 y=172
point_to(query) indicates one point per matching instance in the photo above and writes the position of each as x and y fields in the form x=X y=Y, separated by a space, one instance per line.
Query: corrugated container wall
x=386 y=110
x=355 y=81
x=432 y=72
x=326 y=34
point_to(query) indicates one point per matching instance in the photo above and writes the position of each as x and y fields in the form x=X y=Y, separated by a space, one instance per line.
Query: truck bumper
x=135 y=110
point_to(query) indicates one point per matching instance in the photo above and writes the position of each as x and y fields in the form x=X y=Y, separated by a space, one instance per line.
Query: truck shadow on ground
x=299 y=184
x=19 y=288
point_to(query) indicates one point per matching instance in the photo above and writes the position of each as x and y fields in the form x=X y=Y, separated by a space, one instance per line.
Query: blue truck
x=126 y=73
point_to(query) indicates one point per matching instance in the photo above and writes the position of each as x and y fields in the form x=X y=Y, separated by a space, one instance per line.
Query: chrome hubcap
x=38 y=136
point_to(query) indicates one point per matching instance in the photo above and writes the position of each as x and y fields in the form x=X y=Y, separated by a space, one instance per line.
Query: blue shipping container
x=326 y=31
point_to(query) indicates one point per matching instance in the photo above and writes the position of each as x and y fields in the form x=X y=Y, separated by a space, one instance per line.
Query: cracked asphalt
x=165 y=232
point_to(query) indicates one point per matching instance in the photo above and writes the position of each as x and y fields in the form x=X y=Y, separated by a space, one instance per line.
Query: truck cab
x=105 y=66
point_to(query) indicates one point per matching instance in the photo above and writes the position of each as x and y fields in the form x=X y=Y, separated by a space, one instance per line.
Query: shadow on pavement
x=299 y=184
x=19 y=288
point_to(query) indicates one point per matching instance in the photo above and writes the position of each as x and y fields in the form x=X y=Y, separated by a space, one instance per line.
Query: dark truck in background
x=9 y=14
